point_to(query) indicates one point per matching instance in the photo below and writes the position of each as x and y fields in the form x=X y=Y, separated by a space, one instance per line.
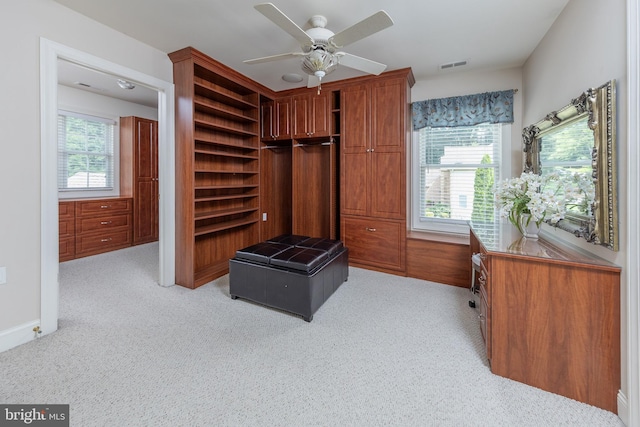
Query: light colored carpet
x=382 y=351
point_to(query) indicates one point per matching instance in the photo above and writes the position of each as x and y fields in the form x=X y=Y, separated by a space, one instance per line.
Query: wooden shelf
x=225 y=187
x=226 y=212
x=226 y=154
x=221 y=198
x=210 y=108
x=224 y=128
x=228 y=225
x=214 y=94
x=227 y=172
x=205 y=140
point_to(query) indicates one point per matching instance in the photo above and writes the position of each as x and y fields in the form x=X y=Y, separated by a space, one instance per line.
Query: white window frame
x=448 y=226
x=88 y=193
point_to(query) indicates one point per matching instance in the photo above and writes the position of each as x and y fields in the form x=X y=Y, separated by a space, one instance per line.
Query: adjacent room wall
x=23 y=24
x=585 y=47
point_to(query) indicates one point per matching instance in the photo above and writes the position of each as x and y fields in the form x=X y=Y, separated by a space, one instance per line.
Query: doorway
x=50 y=53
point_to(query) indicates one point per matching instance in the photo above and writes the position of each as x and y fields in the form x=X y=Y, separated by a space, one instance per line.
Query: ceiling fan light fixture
x=319 y=60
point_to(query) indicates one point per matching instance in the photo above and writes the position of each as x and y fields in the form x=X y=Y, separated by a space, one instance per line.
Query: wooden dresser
x=93 y=226
x=550 y=315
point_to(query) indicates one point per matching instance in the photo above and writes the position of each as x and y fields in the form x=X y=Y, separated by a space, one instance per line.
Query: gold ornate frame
x=599 y=104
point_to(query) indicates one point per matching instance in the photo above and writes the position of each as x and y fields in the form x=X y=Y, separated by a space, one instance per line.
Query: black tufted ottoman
x=289 y=272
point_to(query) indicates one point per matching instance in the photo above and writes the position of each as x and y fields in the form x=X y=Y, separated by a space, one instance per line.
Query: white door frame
x=50 y=52
x=633 y=217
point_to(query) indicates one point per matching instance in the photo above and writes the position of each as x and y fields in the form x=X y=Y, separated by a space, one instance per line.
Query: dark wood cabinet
x=66 y=230
x=550 y=315
x=139 y=174
x=375 y=129
x=311 y=115
x=218 y=178
x=276 y=120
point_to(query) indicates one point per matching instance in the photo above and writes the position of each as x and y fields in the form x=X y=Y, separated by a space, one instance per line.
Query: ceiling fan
x=320 y=47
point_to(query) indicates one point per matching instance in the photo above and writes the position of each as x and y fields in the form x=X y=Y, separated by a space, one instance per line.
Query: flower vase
x=528 y=226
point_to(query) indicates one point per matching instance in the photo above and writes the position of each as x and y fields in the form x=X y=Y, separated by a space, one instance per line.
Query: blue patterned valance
x=468 y=110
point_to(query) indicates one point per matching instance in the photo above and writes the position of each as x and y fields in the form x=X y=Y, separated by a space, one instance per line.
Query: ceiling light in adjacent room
x=125 y=84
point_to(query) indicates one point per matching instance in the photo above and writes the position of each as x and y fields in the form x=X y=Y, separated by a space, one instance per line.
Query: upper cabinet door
x=388 y=110
x=282 y=118
x=355 y=127
x=311 y=115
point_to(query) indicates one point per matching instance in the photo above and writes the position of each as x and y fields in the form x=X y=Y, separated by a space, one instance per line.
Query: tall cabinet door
x=146 y=202
x=387 y=149
x=354 y=169
x=139 y=174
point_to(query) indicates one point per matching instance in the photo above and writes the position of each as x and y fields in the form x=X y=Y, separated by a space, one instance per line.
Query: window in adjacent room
x=454 y=174
x=86 y=157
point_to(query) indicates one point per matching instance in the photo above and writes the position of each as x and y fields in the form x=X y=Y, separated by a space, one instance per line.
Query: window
x=85 y=153
x=455 y=170
x=568 y=150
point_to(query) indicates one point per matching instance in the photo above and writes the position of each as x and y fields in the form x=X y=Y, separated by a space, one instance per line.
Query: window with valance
x=457 y=159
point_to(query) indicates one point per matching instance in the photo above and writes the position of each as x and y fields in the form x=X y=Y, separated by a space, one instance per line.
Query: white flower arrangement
x=544 y=197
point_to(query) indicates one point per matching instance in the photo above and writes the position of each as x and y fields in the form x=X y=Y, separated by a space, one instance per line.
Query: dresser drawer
x=375 y=242
x=90 y=244
x=103 y=207
x=102 y=223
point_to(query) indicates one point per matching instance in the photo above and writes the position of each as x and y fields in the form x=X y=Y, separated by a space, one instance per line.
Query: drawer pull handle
x=105 y=206
x=370 y=229
x=106 y=240
x=105 y=222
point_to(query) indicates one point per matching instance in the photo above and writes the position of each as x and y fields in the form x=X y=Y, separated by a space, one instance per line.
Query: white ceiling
x=489 y=34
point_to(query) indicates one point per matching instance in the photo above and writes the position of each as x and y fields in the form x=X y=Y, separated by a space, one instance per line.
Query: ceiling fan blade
x=362 y=64
x=273 y=58
x=281 y=20
x=313 y=81
x=376 y=22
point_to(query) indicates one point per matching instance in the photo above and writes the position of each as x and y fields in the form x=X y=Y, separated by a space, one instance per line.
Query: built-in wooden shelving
x=218 y=177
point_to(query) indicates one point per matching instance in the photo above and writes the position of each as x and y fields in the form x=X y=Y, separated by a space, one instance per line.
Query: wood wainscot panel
x=438 y=261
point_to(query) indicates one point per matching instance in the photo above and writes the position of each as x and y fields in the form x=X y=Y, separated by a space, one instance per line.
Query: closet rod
x=331 y=141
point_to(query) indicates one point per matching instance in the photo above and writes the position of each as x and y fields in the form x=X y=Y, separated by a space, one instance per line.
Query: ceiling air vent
x=452 y=65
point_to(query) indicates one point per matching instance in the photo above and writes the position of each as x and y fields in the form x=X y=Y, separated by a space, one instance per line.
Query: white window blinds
x=85 y=152
x=458 y=168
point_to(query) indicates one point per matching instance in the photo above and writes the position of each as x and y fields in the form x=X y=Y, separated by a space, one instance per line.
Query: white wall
x=585 y=47
x=22 y=24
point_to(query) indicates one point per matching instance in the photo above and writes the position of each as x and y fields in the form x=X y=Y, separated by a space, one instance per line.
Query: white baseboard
x=623 y=407
x=18 y=335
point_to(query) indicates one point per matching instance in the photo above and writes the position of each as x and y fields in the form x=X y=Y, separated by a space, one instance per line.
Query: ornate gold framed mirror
x=581 y=137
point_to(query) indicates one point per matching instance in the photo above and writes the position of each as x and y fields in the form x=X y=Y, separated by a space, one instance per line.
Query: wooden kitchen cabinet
x=139 y=174
x=311 y=115
x=550 y=315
